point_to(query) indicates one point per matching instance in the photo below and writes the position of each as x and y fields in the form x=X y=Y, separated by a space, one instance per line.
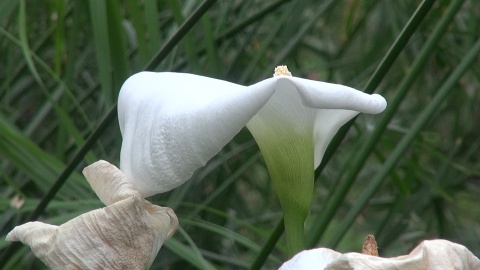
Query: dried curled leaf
x=432 y=254
x=127 y=234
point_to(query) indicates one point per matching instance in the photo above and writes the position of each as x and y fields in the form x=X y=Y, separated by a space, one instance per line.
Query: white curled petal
x=333 y=106
x=109 y=183
x=37 y=235
x=173 y=123
x=120 y=236
x=322 y=95
x=326 y=124
x=306 y=106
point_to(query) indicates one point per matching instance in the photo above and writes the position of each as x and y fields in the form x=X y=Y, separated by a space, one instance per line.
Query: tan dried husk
x=431 y=254
x=127 y=234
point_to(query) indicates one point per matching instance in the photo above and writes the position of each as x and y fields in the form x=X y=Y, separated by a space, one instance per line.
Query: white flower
x=127 y=234
x=173 y=123
x=433 y=254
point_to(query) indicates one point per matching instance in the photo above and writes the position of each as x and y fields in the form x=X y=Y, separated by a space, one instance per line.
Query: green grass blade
x=139 y=24
x=6 y=8
x=59 y=9
x=189 y=253
x=118 y=51
x=99 y=21
x=153 y=25
x=187 y=42
x=66 y=121
x=182 y=31
x=209 y=36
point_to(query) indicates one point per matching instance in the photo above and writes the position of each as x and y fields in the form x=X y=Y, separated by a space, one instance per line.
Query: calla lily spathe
x=173 y=123
x=126 y=234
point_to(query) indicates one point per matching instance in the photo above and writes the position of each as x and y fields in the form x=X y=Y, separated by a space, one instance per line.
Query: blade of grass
x=64 y=118
x=189 y=253
x=351 y=34
x=40 y=166
x=36 y=59
x=187 y=42
x=255 y=18
x=6 y=8
x=220 y=230
x=212 y=60
x=227 y=182
x=118 y=50
x=153 y=25
x=268 y=246
x=59 y=9
x=137 y=18
x=184 y=28
x=300 y=33
x=51 y=98
x=99 y=21
x=178 y=195
x=266 y=44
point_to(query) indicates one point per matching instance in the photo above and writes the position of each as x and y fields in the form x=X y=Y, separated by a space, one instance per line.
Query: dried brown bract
x=126 y=234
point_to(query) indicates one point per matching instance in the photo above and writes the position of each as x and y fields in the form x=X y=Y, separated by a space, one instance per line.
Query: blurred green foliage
x=408 y=174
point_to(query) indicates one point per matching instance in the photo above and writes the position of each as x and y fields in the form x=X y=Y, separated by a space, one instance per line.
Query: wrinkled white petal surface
x=173 y=123
x=127 y=234
x=432 y=254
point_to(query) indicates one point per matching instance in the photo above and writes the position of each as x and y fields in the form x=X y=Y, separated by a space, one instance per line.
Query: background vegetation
x=409 y=174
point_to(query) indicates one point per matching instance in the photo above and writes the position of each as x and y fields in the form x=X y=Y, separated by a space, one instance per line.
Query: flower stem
x=294 y=231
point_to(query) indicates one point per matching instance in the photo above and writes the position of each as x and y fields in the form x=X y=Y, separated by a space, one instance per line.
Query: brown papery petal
x=127 y=234
x=120 y=236
x=109 y=183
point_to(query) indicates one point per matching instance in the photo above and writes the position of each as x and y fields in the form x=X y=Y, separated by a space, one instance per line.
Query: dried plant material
x=370 y=246
x=281 y=71
x=432 y=254
x=109 y=183
x=127 y=234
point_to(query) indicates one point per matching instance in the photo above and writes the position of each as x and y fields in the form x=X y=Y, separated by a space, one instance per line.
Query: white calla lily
x=173 y=123
x=127 y=234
